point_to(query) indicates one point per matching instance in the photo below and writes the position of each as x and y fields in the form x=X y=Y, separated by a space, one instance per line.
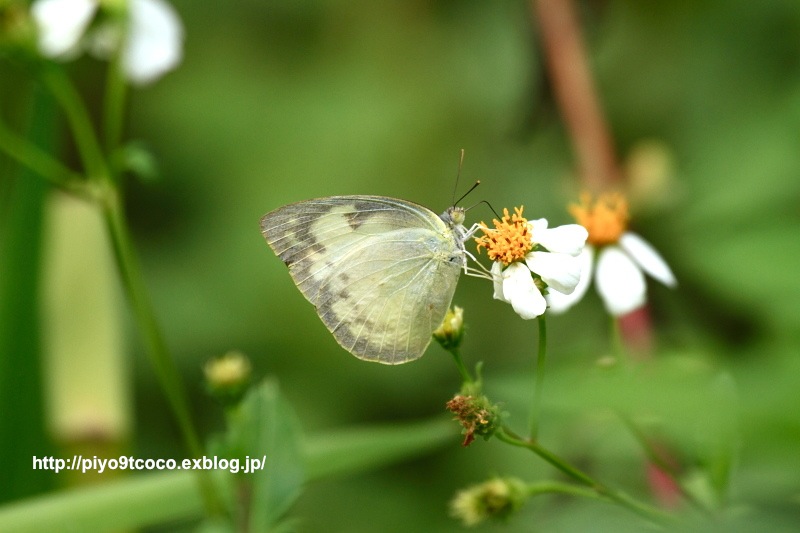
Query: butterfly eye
x=458 y=215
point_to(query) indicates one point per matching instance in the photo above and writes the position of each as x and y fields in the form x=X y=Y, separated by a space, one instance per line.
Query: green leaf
x=724 y=433
x=135 y=157
x=265 y=428
x=115 y=506
x=21 y=417
x=357 y=449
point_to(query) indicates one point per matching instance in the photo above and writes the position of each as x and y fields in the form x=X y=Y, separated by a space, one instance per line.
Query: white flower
x=526 y=252
x=61 y=25
x=151 y=43
x=622 y=258
x=155 y=41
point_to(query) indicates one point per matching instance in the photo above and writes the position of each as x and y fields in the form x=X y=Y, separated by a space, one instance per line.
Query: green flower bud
x=451 y=331
x=497 y=498
x=228 y=376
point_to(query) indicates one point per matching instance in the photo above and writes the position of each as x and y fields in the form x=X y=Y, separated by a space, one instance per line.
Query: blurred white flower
x=61 y=25
x=149 y=39
x=154 y=45
x=529 y=257
x=622 y=258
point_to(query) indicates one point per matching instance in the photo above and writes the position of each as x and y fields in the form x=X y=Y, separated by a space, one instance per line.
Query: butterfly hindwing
x=380 y=271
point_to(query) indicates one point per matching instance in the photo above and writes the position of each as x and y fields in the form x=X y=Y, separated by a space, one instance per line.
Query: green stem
x=114 y=106
x=644 y=510
x=79 y=121
x=538 y=384
x=164 y=365
x=616 y=339
x=166 y=370
x=31 y=156
x=465 y=375
x=553 y=487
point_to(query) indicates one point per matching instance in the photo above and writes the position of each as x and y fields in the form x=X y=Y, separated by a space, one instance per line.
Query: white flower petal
x=560 y=302
x=497 y=280
x=155 y=40
x=560 y=271
x=537 y=225
x=619 y=281
x=519 y=289
x=567 y=239
x=61 y=24
x=648 y=258
x=515 y=277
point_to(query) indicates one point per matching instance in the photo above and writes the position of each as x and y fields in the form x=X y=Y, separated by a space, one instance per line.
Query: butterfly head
x=454 y=216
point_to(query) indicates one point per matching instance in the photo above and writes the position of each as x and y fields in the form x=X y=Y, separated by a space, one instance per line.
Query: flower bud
x=451 y=331
x=228 y=376
x=497 y=498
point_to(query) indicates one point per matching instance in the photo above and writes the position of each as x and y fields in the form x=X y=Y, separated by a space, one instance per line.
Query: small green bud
x=135 y=157
x=451 y=331
x=497 y=498
x=476 y=414
x=228 y=376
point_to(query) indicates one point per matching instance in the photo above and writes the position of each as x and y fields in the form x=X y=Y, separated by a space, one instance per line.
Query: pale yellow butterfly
x=380 y=271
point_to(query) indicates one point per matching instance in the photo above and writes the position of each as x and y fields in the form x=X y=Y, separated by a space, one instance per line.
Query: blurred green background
x=281 y=101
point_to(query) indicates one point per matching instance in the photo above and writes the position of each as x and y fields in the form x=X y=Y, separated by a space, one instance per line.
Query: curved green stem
x=164 y=365
x=465 y=375
x=642 y=509
x=538 y=384
x=79 y=121
x=554 y=487
x=31 y=156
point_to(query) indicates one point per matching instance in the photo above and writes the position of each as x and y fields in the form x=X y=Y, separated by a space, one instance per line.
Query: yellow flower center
x=509 y=240
x=606 y=218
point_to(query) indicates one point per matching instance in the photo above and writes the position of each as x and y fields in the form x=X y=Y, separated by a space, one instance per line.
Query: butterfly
x=380 y=271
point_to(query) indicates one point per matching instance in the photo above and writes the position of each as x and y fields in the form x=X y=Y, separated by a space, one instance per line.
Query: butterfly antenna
x=483 y=202
x=477 y=182
x=458 y=175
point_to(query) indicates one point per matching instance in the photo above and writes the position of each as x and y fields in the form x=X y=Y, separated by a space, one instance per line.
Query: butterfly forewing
x=380 y=271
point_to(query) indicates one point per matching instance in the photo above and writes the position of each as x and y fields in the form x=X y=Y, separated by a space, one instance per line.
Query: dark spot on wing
x=311 y=248
x=306 y=238
x=355 y=219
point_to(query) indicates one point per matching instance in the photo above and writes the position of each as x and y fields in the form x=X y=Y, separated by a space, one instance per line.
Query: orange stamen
x=606 y=218
x=509 y=240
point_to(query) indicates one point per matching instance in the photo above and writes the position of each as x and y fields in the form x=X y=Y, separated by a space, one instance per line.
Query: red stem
x=575 y=92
